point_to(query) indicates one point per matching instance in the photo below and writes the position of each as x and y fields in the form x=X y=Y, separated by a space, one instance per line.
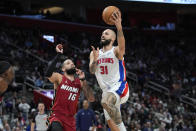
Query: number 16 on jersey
x=72 y=96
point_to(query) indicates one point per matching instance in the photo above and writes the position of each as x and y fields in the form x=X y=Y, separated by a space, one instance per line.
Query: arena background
x=160 y=58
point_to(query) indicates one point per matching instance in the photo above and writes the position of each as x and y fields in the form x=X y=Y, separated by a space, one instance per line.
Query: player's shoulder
x=77 y=80
x=57 y=75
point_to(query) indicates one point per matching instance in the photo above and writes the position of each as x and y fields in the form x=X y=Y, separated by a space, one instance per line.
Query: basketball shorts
x=67 y=124
x=120 y=90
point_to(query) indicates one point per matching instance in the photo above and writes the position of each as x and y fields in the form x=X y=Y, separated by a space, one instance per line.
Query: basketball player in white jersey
x=108 y=66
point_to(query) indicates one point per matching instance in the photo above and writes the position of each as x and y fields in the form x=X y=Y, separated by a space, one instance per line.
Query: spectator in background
x=39 y=82
x=6 y=126
x=39 y=120
x=148 y=127
x=86 y=119
x=24 y=108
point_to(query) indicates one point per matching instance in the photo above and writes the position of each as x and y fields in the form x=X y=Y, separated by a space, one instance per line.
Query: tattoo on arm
x=112 y=110
x=93 y=67
x=88 y=92
x=120 y=33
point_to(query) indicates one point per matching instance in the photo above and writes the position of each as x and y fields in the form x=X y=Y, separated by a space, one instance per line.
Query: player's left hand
x=116 y=18
x=80 y=73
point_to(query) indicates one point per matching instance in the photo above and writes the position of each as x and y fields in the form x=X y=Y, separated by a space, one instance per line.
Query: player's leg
x=112 y=125
x=55 y=126
x=124 y=99
x=111 y=111
x=121 y=126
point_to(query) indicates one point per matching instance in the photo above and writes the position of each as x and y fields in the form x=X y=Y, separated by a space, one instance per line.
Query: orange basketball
x=107 y=13
x=60 y=46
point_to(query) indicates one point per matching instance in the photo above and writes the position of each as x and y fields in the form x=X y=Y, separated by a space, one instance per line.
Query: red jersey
x=1 y=98
x=66 y=96
x=65 y=103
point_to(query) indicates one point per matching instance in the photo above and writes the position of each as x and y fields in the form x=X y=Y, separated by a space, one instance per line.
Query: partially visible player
x=6 y=76
x=109 y=68
x=67 y=91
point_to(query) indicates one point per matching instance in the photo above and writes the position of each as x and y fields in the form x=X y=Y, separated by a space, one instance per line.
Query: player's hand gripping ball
x=107 y=14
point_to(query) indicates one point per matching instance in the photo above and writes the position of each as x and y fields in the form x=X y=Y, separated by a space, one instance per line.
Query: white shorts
x=119 y=100
x=121 y=91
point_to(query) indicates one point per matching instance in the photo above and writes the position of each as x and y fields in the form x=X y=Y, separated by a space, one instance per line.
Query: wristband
x=94 y=62
x=83 y=79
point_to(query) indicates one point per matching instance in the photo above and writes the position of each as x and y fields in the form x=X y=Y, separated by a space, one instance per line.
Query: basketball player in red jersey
x=67 y=91
x=6 y=77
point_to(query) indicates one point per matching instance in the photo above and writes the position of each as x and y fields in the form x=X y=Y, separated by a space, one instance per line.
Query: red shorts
x=68 y=122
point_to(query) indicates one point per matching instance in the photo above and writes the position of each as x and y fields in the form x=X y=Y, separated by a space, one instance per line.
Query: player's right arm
x=93 y=60
x=54 y=77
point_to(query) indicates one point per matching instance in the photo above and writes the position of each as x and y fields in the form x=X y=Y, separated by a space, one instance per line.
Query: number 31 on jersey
x=104 y=70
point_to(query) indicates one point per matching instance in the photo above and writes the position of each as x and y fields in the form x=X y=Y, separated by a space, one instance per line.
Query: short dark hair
x=4 y=66
x=41 y=103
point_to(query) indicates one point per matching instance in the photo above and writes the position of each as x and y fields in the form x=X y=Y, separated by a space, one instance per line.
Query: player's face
x=41 y=107
x=106 y=37
x=69 y=67
x=68 y=64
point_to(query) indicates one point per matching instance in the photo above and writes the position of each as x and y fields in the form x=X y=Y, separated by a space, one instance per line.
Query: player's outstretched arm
x=50 y=74
x=88 y=91
x=93 y=60
x=120 y=50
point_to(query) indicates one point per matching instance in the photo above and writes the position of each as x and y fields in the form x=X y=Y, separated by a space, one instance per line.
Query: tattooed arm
x=88 y=92
x=120 y=49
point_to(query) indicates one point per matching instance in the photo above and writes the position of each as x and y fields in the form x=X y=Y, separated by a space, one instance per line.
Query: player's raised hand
x=95 y=53
x=59 y=48
x=80 y=74
x=116 y=18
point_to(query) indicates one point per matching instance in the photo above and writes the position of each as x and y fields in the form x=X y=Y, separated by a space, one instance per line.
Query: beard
x=71 y=71
x=105 y=42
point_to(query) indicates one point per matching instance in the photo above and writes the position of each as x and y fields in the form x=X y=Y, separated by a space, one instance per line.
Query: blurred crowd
x=165 y=59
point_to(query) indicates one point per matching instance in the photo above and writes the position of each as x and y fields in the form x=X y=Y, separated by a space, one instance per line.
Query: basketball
x=60 y=46
x=107 y=13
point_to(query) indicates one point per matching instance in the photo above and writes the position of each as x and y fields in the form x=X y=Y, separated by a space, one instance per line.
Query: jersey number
x=104 y=69
x=72 y=96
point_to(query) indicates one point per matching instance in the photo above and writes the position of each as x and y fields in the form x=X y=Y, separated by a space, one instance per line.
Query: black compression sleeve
x=51 y=66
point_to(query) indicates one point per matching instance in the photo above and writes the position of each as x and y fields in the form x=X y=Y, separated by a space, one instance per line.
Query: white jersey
x=110 y=72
